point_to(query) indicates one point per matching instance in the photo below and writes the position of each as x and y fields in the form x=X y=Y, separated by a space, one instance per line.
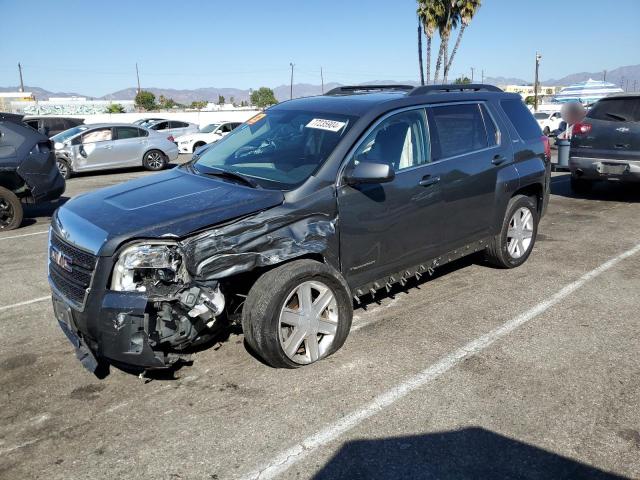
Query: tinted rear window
x=522 y=120
x=616 y=110
x=456 y=130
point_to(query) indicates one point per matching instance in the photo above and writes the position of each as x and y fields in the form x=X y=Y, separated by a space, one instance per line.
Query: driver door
x=94 y=149
x=386 y=227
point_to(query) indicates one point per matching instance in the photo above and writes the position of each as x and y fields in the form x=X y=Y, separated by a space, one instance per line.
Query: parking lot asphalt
x=473 y=373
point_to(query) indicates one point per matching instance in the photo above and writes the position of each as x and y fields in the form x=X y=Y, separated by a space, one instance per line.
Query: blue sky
x=92 y=47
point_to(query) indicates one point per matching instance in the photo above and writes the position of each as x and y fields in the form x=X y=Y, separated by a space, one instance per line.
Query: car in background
x=51 y=126
x=173 y=128
x=208 y=134
x=105 y=146
x=548 y=121
x=143 y=122
x=606 y=144
x=28 y=172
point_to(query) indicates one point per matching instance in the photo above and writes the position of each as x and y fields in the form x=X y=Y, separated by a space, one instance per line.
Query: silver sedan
x=105 y=146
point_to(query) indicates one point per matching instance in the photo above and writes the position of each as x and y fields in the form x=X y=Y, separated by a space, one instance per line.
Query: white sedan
x=208 y=134
x=548 y=121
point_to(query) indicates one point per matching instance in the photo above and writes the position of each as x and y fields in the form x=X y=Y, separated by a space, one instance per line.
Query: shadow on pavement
x=471 y=453
x=604 y=191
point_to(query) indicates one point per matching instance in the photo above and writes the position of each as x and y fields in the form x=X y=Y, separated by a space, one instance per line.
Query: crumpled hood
x=174 y=203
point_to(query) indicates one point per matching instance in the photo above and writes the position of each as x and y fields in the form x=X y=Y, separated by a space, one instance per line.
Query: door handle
x=498 y=159
x=428 y=180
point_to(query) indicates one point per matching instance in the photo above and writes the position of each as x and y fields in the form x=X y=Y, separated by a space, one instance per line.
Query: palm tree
x=429 y=12
x=447 y=22
x=466 y=11
x=420 y=52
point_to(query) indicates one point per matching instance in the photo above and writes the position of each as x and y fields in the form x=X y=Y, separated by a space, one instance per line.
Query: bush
x=115 y=108
x=145 y=100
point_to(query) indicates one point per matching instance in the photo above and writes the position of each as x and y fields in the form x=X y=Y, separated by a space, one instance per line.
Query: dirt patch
x=19 y=361
x=86 y=392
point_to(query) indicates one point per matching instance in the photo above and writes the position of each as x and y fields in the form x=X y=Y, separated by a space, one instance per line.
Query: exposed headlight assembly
x=145 y=265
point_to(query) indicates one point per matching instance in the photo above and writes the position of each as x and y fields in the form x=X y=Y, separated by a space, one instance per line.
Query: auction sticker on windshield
x=256 y=118
x=329 y=125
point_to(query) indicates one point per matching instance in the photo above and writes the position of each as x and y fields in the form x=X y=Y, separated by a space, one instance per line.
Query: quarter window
x=399 y=141
x=99 y=135
x=457 y=130
x=521 y=119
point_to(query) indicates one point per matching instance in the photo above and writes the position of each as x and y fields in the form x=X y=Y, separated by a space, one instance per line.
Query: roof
x=360 y=101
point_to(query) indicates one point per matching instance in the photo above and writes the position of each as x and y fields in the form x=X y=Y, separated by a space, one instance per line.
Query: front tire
x=297 y=314
x=197 y=145
x=154 y=160
x=11 y=212
x=513 y=245
x=64 y=168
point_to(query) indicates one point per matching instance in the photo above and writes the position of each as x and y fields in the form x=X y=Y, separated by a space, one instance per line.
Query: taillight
x=581 y=128
x=547 y=147
x=171 y=139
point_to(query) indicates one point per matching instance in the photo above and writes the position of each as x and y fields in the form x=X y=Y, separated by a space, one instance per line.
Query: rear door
x=467 y=142
x=614 y=132
x=128 y=146
x=387 y=227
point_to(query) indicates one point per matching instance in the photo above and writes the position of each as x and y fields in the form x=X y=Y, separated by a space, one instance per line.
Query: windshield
x=540 y=115
x=67 y=134
x=278 y=148
x=209 y=128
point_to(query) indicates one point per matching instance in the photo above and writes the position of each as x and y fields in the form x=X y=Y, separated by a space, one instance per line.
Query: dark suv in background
x=298 y=212
x=50 y=126
x=606 y=144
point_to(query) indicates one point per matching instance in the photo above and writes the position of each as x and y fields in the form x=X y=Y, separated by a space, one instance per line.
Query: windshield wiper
x=218 y=172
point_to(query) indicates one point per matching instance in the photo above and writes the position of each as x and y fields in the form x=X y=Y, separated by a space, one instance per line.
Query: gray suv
x=298 y=213
x=606 y=144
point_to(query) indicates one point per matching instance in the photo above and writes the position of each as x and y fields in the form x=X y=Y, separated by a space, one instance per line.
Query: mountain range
x=628 y=77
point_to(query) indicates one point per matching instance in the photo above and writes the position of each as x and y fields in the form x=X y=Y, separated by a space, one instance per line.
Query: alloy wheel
x=62 y=168
x=154 y=160
x=520 y=233
x=308 y=322
x=7 y=213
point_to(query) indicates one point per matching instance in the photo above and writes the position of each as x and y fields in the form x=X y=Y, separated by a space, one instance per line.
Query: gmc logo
x=61 y=259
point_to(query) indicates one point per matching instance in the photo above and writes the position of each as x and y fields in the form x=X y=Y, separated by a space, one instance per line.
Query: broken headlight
x=146 y=265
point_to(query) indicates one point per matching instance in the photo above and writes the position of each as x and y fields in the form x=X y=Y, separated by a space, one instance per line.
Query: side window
x=399 y=141
x=161 y=126
x=99 y=135
x=493 y=135
x=175 y=124
x=616 y=110
x=457 y=130
x=127 y=132
x=521 y=119
x=226 y=128
x=32 y=123
x=56 y=125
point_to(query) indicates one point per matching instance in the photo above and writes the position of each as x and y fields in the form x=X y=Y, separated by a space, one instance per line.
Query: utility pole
x=622 y=82
x=535 y=83
x=291 y=86
x=634 y=85
x=138 y=77
x=322 y=80
x=482 y=75
x=604 y=76
x=21 y=82
x=472 y=69
x=627 y=87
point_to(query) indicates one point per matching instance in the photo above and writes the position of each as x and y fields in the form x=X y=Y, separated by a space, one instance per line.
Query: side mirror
x=369 y=172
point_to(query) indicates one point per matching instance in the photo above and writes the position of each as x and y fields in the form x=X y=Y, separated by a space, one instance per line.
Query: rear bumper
x=172 y=153
x=605 y=169
x=186 y=148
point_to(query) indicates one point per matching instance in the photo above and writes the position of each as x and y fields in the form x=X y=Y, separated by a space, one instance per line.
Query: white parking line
x=23 y=235
x=26 y=302
x=286 y=459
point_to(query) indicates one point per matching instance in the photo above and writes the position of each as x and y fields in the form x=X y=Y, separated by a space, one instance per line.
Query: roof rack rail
x=475 y=87
x=351 y=89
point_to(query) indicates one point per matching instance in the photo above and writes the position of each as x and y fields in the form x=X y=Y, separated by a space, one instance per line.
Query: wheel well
x=11 y=181
x=533 y=191
x=198 y=144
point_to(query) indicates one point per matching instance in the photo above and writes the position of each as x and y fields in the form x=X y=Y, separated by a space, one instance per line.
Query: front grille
x=74 y=284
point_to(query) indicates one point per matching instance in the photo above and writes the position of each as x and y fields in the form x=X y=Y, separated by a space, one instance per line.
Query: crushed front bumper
x=111 y=332
x=605 y=169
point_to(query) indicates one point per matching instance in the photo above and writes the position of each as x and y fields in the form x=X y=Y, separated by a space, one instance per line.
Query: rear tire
x=276 y=323
x=580 y=186
x=64 y=168
x=11 y=211
x=154 y=160
x=513 y=245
